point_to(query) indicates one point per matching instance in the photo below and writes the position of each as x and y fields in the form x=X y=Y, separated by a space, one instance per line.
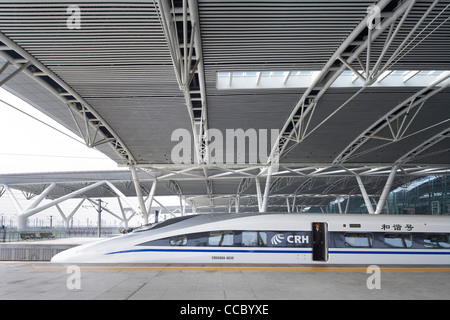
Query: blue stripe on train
x=212 y=251
x=281 y=251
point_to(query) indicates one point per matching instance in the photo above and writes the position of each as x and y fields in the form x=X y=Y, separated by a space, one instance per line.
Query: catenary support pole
x=99 y=225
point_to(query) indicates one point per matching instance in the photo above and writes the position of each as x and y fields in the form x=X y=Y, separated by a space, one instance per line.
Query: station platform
x=39 y=250
x=44 y=280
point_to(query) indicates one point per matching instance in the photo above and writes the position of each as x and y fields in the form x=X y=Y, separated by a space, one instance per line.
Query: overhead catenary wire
x=42 y=122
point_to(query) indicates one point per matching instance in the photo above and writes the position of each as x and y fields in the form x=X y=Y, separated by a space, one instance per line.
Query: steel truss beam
x=296 y=128
x=185 y=48
x=96 y=131
x=398 y=120
x=286 y=170
x=414 y=153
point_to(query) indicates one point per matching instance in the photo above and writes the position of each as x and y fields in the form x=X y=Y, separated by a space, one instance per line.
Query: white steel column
x=67 y=219
x=266 y=189
x=386 y=190
x=122 y=196
x=41 y=197
x=258 y=192
x=181 y=205
x=151 y=195
x=137 y=186
x=163 y=206
x=364 y=194
x=348 y=203
x=293 y=203
x=124 y=214
x=338 y=199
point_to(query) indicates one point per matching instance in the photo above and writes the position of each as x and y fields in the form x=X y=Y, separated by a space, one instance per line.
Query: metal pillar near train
x=384 y=194
x=386 y=190
x=137 y=186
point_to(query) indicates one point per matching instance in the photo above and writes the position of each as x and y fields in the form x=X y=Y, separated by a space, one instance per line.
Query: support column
x=182 y=207
x=163 y=206
x=151 y=195
x=266 y=190
x=41 y=197
x=70 y=216
x=365 y=195
x=137 y=186
x=348 y=203
x=386 y=190
x=258 y=192
x=123 y=197
x=339 y=204
x=288 y=205
x=124 y=215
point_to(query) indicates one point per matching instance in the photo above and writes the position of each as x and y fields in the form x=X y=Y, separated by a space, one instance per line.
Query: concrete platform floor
x=43 y=280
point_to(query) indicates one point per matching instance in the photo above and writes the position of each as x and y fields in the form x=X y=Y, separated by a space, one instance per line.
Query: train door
x=320 y=241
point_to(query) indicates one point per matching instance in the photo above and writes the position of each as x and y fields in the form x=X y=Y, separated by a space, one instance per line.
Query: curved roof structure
x=275 y=100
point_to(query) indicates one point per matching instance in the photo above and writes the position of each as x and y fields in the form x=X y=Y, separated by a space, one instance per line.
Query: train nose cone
x=86 y=253
x=66 y=256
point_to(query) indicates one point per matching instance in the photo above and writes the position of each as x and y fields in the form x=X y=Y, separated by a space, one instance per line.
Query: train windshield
x=162 y=223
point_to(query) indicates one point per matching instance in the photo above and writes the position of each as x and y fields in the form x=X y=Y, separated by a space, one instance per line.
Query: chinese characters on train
x=397 y=227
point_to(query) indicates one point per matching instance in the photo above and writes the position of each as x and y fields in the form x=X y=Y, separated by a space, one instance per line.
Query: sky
x=27 y=145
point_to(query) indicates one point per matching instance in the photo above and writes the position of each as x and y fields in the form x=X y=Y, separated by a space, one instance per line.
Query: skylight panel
x=237 y=80
x=264 y=79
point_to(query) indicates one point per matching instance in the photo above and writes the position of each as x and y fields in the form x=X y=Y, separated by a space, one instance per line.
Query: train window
x=436 y=241
x=254 y=239
x=360 y=240
x=220 y=239
x=178 y=241
x=396 y=240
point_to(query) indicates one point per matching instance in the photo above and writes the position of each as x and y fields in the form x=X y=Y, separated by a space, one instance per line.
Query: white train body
x=277 y=239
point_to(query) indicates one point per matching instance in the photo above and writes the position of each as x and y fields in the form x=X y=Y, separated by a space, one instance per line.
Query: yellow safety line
x=221 y=268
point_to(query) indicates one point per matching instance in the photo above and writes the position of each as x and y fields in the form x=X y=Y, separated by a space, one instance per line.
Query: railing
x=36 y=234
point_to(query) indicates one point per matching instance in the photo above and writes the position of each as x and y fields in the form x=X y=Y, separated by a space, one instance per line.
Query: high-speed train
x=277 y=239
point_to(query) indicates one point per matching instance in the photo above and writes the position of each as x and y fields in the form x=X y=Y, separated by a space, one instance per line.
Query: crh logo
x=277 y=239
x=290 y=239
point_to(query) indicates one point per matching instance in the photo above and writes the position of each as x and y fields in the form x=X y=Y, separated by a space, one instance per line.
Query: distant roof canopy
x=344 y=89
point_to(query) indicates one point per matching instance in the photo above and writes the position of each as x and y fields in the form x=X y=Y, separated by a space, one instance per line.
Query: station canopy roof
x=322 y=90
